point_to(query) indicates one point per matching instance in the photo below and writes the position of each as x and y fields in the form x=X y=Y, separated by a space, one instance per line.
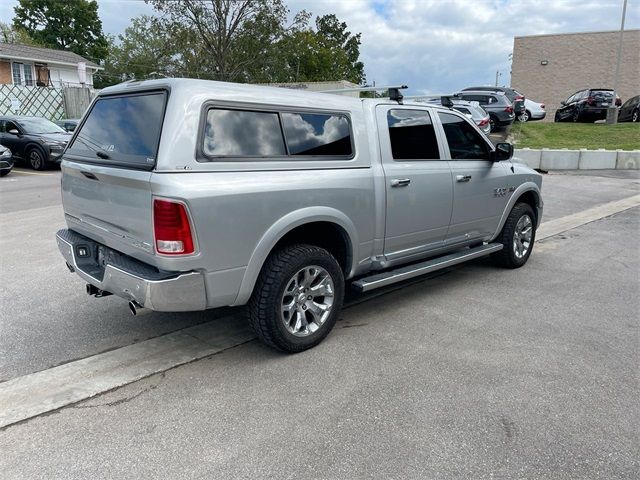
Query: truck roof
x=242 y=92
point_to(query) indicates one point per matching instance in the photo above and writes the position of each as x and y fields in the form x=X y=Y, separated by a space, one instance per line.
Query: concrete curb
x=583 y=159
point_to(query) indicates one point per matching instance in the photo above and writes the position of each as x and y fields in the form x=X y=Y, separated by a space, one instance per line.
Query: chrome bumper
x=133 y=280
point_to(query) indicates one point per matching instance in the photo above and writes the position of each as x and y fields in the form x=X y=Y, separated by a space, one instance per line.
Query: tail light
x=483 y=122
x=171 y=227
x=542 y=106
x=590 y=100
x=519 y=97
x=509 y=109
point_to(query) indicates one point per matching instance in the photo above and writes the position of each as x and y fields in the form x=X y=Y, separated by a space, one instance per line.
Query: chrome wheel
x=635 y=116
x=522 y=236
x=35 y=160
x=524 y=117
x=307 y=301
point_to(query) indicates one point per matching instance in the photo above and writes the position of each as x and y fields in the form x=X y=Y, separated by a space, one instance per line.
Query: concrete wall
x=583 y=159
x=575 y=61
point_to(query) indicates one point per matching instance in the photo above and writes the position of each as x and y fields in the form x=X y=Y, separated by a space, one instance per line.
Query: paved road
x=46 y=319
x=478 y=373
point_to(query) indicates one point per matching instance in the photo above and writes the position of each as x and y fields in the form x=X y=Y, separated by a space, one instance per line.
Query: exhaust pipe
x=136 y=309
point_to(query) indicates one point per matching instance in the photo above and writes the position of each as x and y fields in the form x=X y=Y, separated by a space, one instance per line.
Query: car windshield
x=39 y=125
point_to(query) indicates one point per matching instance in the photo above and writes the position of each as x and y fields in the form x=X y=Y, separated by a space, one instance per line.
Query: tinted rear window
x=122 y=130
x=243 y=133
x=317 y=134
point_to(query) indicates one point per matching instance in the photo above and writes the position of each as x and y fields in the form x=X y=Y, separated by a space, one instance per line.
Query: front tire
x=525 y=116
x=517 y=237
x=36 y=159
x=635 y=116
x=297 y=298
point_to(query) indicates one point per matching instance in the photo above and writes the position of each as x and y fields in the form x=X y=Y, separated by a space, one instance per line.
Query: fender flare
x=523 y=188
x=283 y=226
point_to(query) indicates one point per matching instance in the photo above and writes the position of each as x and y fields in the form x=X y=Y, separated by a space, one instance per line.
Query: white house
x=35 y=66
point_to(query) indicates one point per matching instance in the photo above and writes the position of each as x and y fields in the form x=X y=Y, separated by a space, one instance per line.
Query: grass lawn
x=625 y=136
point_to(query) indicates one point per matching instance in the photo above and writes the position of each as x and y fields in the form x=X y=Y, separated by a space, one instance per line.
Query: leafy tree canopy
x=72 y=25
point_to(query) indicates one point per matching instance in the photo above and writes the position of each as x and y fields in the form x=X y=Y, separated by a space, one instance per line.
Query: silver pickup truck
x=183 y=195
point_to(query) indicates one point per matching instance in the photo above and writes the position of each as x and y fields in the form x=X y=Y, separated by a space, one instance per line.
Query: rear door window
x=412 y=135
x=465 y=143
x=122 y=130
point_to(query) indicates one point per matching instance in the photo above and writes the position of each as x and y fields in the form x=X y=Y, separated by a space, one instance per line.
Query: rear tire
x=525 y=116
x=4 y=172
x=297 y=298
x=517 y=237
x=635 y=116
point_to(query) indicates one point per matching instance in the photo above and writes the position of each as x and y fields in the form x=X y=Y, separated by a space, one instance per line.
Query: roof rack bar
x=365 y=89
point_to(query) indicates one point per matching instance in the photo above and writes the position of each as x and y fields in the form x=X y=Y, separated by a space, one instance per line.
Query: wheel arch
x=528 y=193
x=304 y=226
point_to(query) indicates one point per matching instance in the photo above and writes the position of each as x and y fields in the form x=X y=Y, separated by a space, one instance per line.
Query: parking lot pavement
x=478 y=373
x=46 y=318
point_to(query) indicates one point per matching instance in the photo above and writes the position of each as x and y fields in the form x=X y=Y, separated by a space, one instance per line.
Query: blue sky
x=434 y=46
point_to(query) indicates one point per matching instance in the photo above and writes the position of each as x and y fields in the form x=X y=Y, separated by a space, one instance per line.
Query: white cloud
x=433 y=46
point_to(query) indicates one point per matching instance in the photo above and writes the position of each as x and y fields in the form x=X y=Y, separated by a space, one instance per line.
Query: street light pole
x=612 y=112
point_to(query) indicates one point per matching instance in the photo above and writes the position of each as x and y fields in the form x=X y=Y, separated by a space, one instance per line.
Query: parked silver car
x=186 y=195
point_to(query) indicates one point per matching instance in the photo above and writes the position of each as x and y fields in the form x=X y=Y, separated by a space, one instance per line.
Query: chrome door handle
x=400 y=182
x=463 y=178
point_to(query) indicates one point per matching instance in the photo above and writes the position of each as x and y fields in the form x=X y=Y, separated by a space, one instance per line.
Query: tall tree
x=329 y=52
x=72 y=25
x=235 y=34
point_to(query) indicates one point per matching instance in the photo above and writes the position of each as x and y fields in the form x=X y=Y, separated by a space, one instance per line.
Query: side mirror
x=503 y=151
x=563 y=103
x=13 y=131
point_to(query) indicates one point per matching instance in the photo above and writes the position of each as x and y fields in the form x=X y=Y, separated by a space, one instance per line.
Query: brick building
x=550 y=68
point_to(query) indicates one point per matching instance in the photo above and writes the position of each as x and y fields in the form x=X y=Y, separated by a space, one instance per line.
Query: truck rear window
x=122 y=130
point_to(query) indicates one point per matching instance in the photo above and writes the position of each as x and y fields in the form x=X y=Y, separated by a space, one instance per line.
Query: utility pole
x=498 y=74
x=612 y=112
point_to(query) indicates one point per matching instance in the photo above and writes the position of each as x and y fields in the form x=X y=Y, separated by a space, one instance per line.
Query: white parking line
x=25 y=397
x=559 y=225
x=15 y=170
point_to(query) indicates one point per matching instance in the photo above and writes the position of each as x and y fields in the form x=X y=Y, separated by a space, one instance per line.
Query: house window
x=22 y=73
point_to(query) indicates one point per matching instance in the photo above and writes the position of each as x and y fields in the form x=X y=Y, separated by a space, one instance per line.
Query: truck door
x=480 y=186
x=419 y=191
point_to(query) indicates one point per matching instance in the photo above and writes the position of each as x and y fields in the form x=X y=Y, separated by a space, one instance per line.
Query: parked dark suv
x=515 y=97
x=497 y=105
x=586 y=105
x=630 y=110
x=35 y=140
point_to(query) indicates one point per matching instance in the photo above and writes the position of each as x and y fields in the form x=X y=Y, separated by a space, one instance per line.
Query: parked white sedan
x=533 y=111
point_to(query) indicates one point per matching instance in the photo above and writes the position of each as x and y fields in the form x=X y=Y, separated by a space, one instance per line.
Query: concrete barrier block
x=529 y=157
x=628 y=160
x=597 y=159
x=559 y=159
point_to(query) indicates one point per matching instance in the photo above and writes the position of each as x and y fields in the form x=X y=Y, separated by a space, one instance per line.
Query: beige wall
x=575 y=61
x=5 y=73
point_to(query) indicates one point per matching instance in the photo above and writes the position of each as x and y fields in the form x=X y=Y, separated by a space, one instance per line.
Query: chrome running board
x=410 y=271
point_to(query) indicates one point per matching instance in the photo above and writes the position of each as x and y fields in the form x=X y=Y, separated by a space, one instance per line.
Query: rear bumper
x=131 y=279
x=538 y=115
